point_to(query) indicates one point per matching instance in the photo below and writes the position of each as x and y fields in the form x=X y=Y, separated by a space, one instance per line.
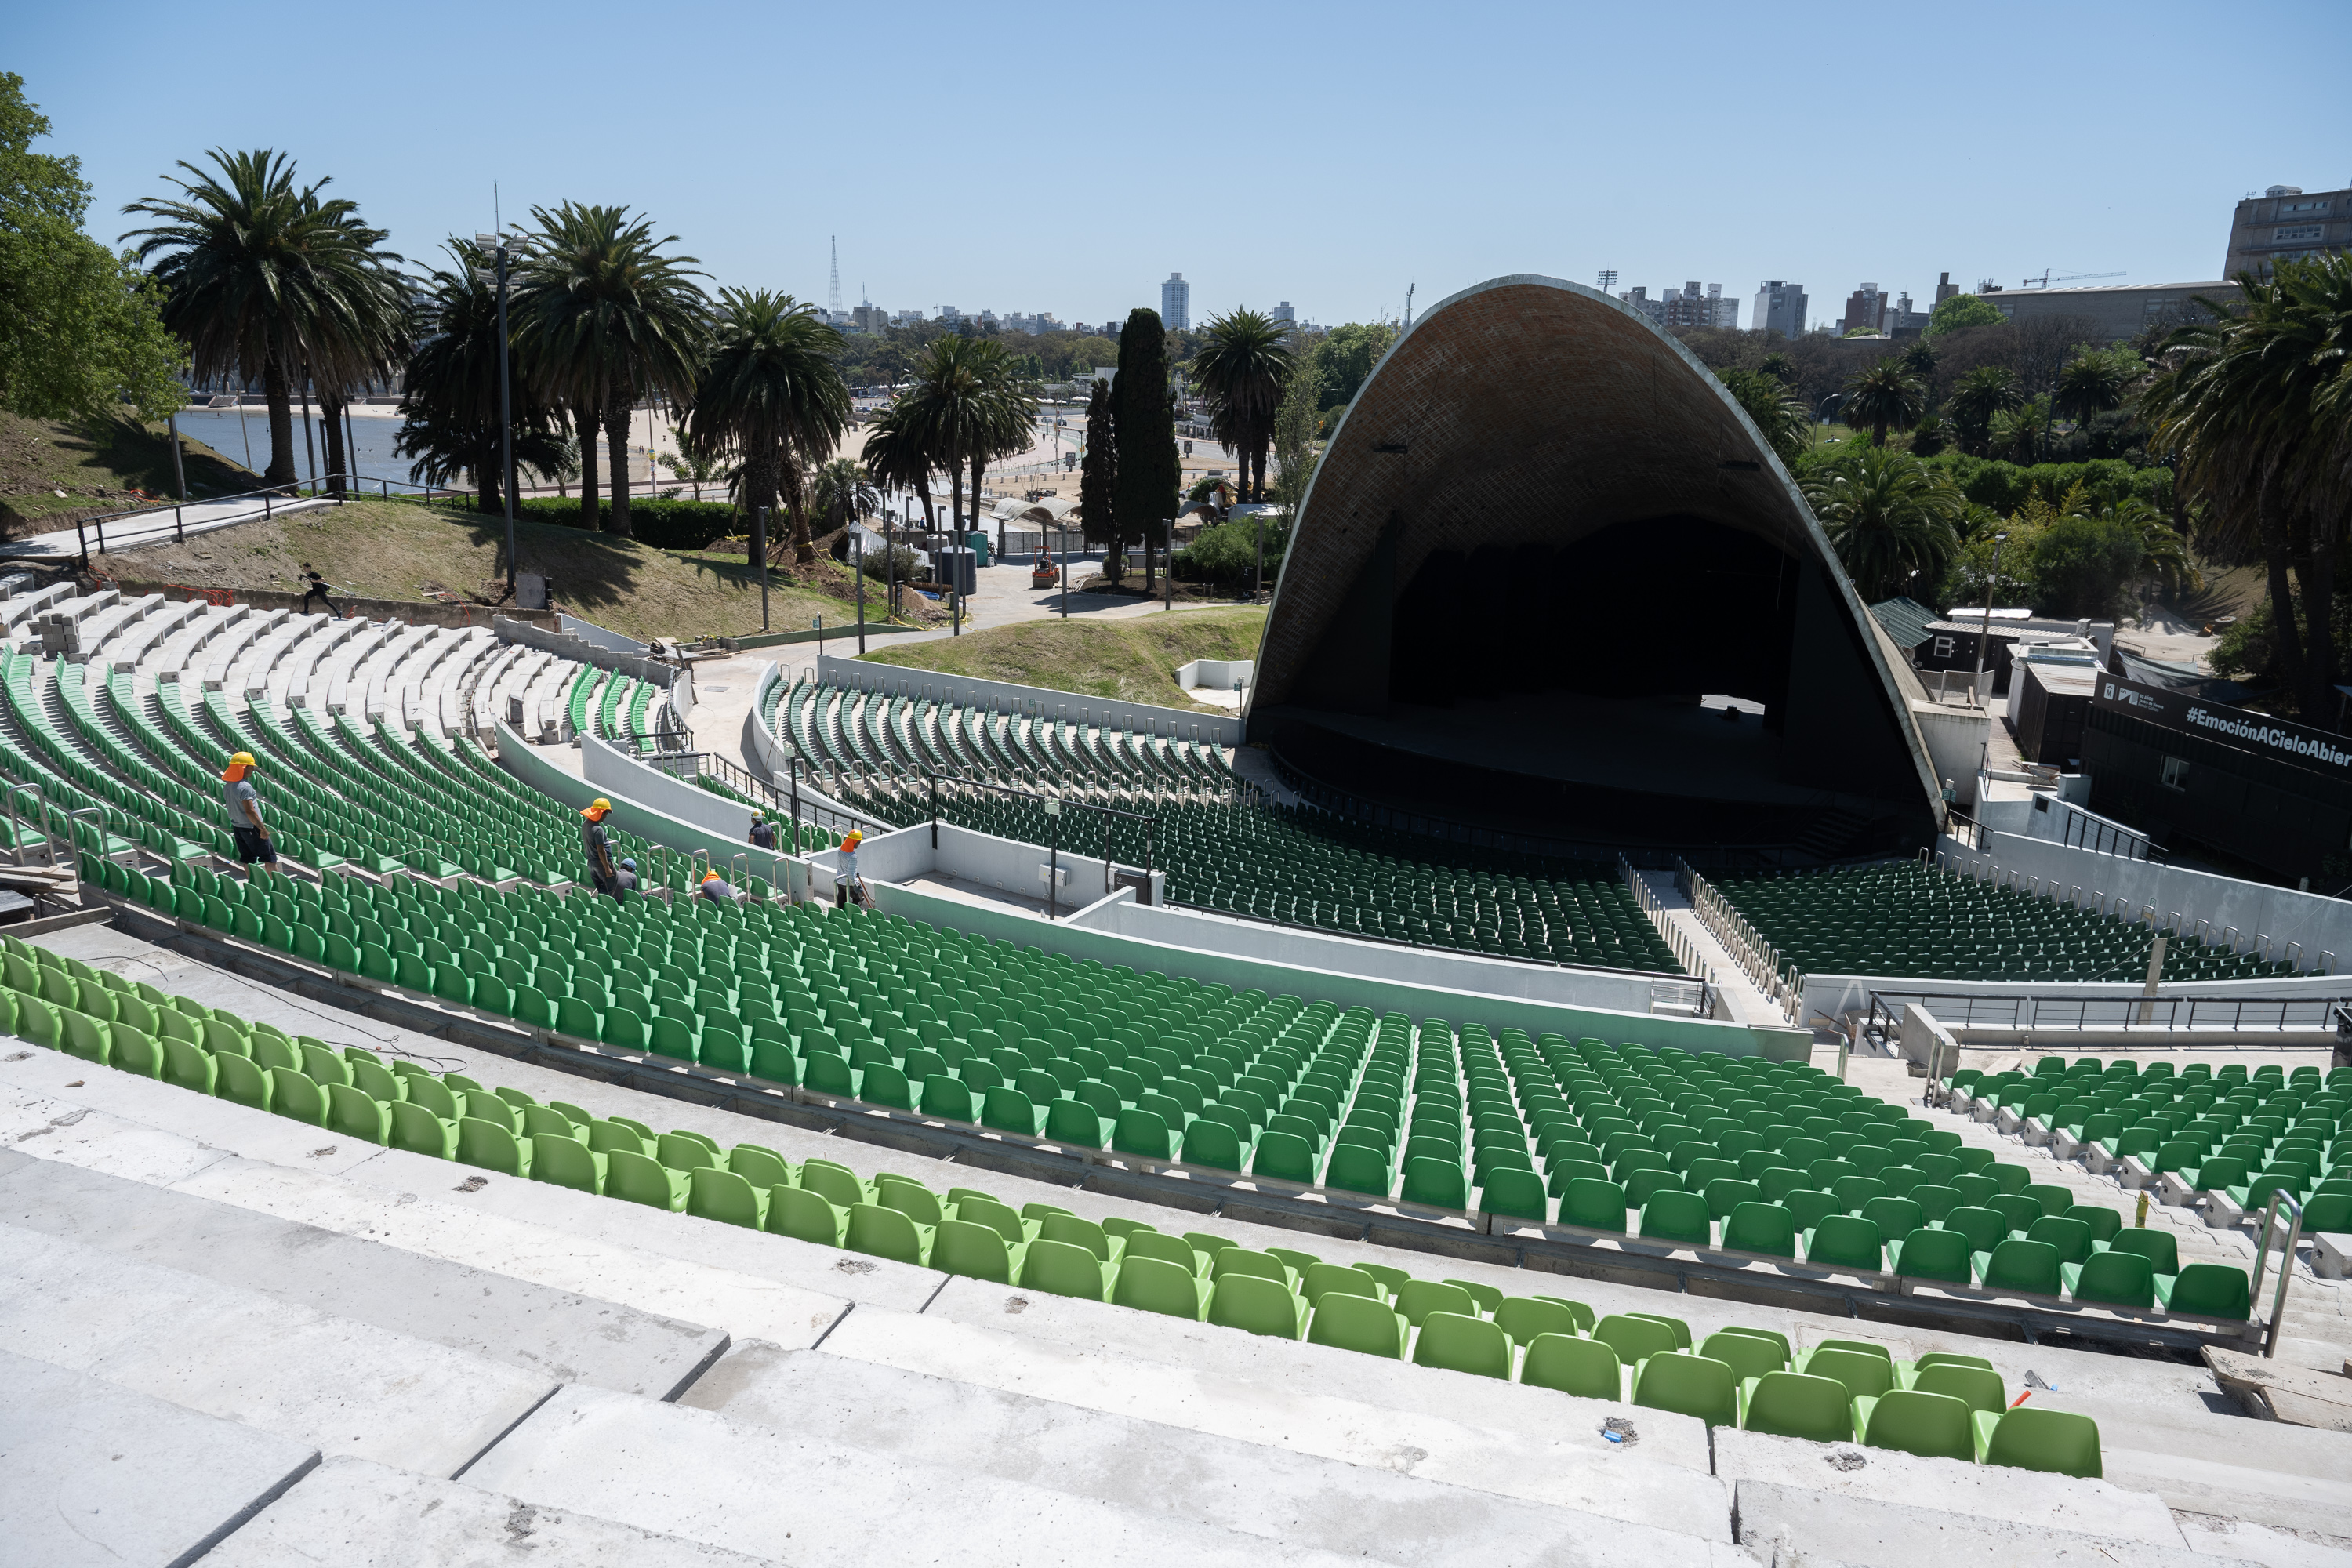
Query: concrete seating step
x=813 y=1500
x=339 y=1386
x=1790 y=1525
x=91 y=1474
x=527 y=1326
x=1389 y=1500
x=356 y=1514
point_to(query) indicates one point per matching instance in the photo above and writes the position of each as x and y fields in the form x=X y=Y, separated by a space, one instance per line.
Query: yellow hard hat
x=244 y=759
x=600 y=803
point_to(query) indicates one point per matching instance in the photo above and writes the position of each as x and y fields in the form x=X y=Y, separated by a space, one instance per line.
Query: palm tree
x=1007 y=416
x=261 y=276
x=895 y=457
x=2166 y=552
x=2258 y=410
x=1243 y=368
x=1886 y=394
x=602 y=319
x=1778 y=413
x=451 y=405
x=840 y=493
x=771 y=398
x=952 y=411
x=1889 y=515
x=2094 y=380
x=1983 y=393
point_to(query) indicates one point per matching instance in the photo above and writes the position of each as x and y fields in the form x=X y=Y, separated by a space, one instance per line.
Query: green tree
x=1098 y=480
x=840 y=490
x=1295 y=434
x=1006 y=419
x=450 y=404
x=1244 y=369
x=259 y=275
x=2094 y=380
x=1779 y=415
x=350 y=349
x=602 y=319
x=1148 y=464
x=771 y=399
x=81 y=332
x=2258 y=405
x=1985 y=391
x=895 y=457
x=1889 y=515
x=1963 y=311
x=1345 y=358
x=1883 y=393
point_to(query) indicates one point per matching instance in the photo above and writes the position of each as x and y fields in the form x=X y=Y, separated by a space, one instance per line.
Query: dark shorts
x=252 y=845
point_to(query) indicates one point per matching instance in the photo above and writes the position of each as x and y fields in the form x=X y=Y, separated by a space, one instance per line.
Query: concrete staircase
x=225 y=1336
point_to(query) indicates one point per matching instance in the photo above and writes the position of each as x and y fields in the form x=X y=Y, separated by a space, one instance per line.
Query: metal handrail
x=2027 y=1011
x=267 y=495
x=1053 y=805
x=15 y=828
x=2286 y=1265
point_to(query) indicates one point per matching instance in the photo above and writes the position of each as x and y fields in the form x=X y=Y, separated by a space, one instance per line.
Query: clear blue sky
x=1068 y=157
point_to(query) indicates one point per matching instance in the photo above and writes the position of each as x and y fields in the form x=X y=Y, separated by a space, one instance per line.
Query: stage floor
x=1631 y=743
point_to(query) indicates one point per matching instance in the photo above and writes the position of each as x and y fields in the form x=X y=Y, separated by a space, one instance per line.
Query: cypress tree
x=1149 y=473
x=1098 y=479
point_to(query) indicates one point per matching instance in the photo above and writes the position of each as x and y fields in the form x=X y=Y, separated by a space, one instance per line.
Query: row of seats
x=2231 y=1134
x=1943 y=1406
x=1905 y=918
x=904 y=734
x=1301 y=867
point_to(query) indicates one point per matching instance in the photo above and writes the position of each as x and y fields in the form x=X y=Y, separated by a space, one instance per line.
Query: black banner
x=2241 y=727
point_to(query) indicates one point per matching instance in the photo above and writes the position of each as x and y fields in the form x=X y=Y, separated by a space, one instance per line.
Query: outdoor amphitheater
x=1521 y=1091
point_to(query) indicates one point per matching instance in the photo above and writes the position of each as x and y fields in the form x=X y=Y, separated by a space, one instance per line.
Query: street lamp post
x=496 y=244
x=1984 y=632
x=859 y=540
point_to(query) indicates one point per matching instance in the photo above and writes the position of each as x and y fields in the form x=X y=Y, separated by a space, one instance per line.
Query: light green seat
x=1062 y=1269
x=974 y=1250
x=1689 y=1385
x=1587 y=1368
x=806 y=1216
x=353 y=1114
x=1257 y=1305
x=887 y=1233
x=1158 y=1285
x=640 y=1179
x=1357 y=1324
x=722 y=1195
x=1633 y=1337
x=1462 y=1343
x=2030 y=1438
x=415 y=1129
x=1795 y=1404
x=1916 y=1421
x=492 y=1146
x=562 y=1160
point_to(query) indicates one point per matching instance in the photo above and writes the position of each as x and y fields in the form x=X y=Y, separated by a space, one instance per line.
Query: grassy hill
x=1133 y=659
x=407 y=550
x=97 y=470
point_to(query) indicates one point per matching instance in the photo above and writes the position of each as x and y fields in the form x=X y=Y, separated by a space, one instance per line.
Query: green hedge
x=2004 y=487
x=664 y=525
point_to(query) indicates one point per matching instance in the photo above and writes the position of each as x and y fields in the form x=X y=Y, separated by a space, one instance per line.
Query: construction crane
x=2049 y=278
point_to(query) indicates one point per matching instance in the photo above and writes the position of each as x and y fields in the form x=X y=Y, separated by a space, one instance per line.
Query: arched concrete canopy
x=1533 y=413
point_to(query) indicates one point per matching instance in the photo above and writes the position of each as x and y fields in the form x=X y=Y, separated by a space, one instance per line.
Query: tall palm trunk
x=331 y=409
x=955 y=495
x=803 y=547
x=279 y=388
x=584 y=422
x=979 y=465
x=616 y=442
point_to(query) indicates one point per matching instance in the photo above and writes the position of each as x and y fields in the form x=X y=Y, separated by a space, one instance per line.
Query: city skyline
x=1479 y=171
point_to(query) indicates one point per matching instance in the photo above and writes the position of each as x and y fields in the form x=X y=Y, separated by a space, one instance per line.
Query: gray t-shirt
x=240 y=815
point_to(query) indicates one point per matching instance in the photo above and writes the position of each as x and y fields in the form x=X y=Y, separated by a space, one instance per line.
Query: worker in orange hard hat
x=716 y=888
x=252 y=845
x=597 y=846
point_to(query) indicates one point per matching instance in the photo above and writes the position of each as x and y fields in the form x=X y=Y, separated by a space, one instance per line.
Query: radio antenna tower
x=836 y=274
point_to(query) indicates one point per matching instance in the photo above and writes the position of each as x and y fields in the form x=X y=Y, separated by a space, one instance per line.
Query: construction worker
x=244 y=822
x=717 y=889
x=848 y=873
x=763 y=832
x=597 y=846
x=627 y=879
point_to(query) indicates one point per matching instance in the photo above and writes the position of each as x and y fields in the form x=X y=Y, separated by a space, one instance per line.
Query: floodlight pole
x=496 y=244
x=859 y=540
x=1984 y=632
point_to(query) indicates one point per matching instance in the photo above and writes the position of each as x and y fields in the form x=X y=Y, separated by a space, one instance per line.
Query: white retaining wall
x=1143 y=717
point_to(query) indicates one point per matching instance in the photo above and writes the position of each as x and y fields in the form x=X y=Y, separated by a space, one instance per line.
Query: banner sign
x=2241 y=727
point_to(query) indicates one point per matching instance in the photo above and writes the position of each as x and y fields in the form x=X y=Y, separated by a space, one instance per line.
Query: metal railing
x=1686 y=951
x=2231 y=1014
x=1757 y=958
x=2173 y=926
x=271 y=498
x=1053 y=805
x=2286 y=1264
x=786 y=802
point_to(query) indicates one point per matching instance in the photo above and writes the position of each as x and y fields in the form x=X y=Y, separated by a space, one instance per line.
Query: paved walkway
x=153 y=527
x=1753 y=1005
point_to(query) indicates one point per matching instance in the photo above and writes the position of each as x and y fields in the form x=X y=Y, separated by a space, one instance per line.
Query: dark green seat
x=2207 y=1290
x=1677 y=1216
x=1845 y=1241
x=2022 y=1267
x=1766 y=1228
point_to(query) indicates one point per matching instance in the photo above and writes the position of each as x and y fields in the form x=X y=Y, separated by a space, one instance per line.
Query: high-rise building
x=1638 y=296
x=1688 y=307
x=1176 y=303
x=1865 y=311
x=1945 y=289
x=2286 y=223
x=1779 y=307
x=1285 y=312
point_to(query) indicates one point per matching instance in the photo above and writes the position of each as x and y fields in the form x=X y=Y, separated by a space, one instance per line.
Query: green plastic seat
x=881 y=1232
x=1158 y=1285
x=805 y=1215
x=724 y=1197
x=1766 y=1228
x=1175 y=1249
x=2021 y=1267
x=1257 y=1305
x=1416 y=1299
x=2112 y=1278
x=1590 y=1205
x=566 y=1162
x=1864 y=1376
x=492 y=1146
x=1633 y=1337
x=1590 y=1369
x=351 y=1114
x=640 y=1179
x=1062 y=1269
x=1747 y=1355
x=2030 y=1438
x=1933 y=1425
x=1978 y=1387
x=1689 y=1385
x=1936 y=1255
x=1357 y=1324
x=1677 y=1216
x=1462 y=1343
x=1525 y=1317
x=974 y=1250
x=2207 y=1290
x=1318 y=1279
x=1796 y=1404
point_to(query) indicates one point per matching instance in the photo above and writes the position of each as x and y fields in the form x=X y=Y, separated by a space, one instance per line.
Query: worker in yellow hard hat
x=597 y=846
x=849 y=886
x=245 y=824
